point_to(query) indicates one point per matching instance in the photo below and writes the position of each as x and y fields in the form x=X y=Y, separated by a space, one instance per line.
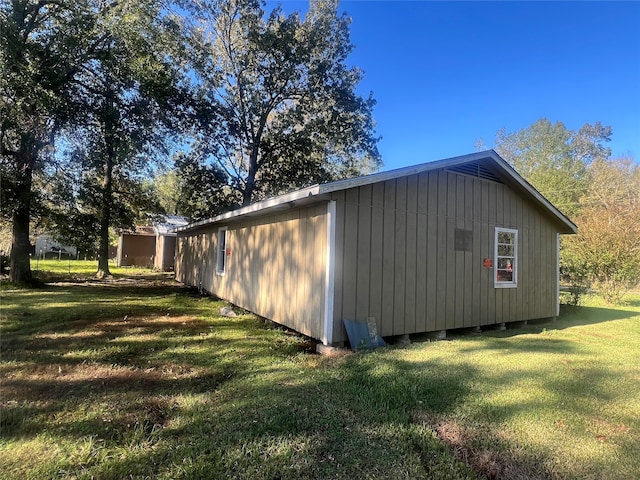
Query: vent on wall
x=474 y=169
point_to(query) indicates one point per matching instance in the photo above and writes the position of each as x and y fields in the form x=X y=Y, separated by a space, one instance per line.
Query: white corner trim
x=330 y=272
x=557 y=274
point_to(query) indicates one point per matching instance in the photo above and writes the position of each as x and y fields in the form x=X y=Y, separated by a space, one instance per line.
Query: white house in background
x=47 y=247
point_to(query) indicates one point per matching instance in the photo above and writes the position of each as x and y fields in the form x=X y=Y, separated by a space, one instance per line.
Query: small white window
x=506 y=258
x=221 y=260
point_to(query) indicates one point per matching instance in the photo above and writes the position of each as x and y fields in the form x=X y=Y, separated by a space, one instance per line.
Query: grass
x=136 y=377
x=53 y=269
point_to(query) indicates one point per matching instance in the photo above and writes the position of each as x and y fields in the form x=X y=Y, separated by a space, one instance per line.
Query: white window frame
x=221 y=251
x=514 y=264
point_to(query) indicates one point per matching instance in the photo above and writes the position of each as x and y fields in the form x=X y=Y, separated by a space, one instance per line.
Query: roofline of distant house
x=320 y=189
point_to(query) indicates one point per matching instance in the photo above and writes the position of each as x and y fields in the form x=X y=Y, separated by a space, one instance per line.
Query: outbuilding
x=455 y=243
x=150 y=245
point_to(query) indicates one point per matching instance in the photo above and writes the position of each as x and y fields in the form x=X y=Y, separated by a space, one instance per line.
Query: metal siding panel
x=262 y=278
x=432 y=194
x=486 y=281
x=364 y=253
x=450 y=199
x=442 y=194
x=350 y=272
x=423 y=193
x=477 y=257
x=441 y=282
x=388 y=258
x=491 y=223
x=400 y=248
x=421 y=272
x=453 y=302
x=412 y=194
x=411 y=255
x=432 y=272
x=377 y=232
x=500 y=221
x=548 y=245
x=468 y=277
x=277 y=282
x=517 y=302
x=375 y=293
x=458 y=256
x=535 y=271
x=411 y=273
x=305 y=270
x=293 y=261
x=320 y=232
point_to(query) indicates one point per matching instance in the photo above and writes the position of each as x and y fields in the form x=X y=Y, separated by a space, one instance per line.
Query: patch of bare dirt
x=53 y=382
x=469 y=446
x=147 y=281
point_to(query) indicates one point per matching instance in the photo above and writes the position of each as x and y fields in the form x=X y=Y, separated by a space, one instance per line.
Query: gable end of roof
x=474 y=164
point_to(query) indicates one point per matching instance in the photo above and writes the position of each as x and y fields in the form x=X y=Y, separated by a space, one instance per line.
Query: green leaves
x=573 y=170
x=284 y=112
x=554 y=159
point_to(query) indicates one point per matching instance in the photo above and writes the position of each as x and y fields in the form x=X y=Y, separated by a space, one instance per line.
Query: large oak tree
x=131 y=96
x=42 y=45
x=282 y=108
x=103 y=75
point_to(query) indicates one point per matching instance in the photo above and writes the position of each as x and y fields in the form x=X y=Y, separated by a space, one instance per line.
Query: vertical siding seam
x=356 y=253
x=370 y=259
x=392 y=274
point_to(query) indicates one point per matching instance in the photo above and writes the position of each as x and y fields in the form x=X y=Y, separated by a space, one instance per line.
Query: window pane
x=505 y=264
x=505 y=261
x=505 y=276
x=222 y=247
x=506 y=237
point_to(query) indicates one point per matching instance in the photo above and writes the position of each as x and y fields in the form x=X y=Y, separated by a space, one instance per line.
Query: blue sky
x=446 y=74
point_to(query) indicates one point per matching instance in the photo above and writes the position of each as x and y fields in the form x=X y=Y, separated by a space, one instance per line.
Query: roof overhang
x=320 y=192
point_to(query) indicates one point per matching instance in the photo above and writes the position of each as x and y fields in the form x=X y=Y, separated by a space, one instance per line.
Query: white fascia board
x=255 y=207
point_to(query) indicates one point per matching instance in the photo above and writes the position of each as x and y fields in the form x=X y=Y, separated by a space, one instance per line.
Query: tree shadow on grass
x=570 y=316
x=123 y=383
x=178 y=400
x=354 y=426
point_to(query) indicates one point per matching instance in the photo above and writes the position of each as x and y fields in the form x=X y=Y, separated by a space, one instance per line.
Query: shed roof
x=486 y=164
x=167 y=224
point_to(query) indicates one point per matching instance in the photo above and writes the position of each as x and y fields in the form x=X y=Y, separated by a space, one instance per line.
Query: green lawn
x=136 y=377
x=51 y=269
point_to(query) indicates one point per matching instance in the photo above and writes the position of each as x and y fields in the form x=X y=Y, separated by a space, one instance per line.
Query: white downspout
x=329 y=278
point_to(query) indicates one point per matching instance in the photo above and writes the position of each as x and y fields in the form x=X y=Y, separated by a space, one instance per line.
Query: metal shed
x=152 y=245
x=460 y=242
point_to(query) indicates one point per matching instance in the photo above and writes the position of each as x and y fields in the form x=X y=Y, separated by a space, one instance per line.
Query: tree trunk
x=20 y=266
x=105 y=217
x=250 y=183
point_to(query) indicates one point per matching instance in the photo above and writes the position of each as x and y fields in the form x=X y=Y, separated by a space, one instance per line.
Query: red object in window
x=509 y=267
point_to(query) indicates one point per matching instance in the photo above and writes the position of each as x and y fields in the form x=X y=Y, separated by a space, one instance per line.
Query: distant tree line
x=601 y=194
